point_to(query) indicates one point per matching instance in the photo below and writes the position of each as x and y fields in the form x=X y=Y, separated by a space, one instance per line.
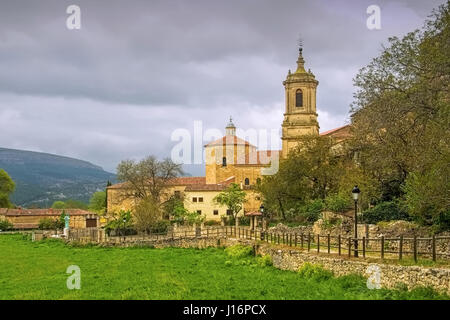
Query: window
x=200 y=199
x=194 y=199
x=247 y=181
x=224 y=162
x=199 y=211
x=229 y=212
x=258 y=198
x=299 y=98
x=216 y=212
x=177 y=194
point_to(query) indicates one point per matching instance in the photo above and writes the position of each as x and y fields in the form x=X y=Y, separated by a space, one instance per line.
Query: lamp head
x=355 y=193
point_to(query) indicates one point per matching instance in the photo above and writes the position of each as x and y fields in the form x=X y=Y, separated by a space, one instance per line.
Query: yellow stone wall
x=208 y=206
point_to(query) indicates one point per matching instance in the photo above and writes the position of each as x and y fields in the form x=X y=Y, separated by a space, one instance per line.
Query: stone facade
x=300 y=117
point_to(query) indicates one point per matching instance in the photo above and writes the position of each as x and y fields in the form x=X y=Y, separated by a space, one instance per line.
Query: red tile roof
x=180 y=181
x=43 y=212
x=326 y=133
x=229 y=140
x=253 y=213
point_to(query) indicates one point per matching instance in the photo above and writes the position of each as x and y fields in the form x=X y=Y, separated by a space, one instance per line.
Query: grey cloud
x=139 y=69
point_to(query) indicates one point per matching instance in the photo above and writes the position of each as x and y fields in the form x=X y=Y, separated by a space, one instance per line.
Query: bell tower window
x=224 y=162
x=299 y=98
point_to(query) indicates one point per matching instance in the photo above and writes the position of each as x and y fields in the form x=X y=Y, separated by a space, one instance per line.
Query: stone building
x=29 y=218
x=231 y=159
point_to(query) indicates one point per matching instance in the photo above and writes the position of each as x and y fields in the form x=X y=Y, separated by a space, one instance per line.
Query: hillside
x=43 y=178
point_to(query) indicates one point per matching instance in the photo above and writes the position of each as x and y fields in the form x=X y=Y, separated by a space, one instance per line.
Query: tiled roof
x=180 y=181
x=211 y=186
x=206 y=187
x=43 y=212
x=253 y=213
x=229 y=140
x=326 y=133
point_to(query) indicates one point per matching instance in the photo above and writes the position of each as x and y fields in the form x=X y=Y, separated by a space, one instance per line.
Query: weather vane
x=300 y=43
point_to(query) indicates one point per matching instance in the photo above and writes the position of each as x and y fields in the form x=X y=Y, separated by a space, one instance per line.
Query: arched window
x=247 y=181
x=224 y=162
x=299 y=98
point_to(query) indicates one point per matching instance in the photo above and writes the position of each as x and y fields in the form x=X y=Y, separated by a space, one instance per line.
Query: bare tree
x=148 y=178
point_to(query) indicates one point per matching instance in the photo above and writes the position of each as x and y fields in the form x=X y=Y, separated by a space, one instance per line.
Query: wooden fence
x=384 y=248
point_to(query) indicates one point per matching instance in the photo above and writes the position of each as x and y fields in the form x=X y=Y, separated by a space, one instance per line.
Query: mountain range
x=43 y=178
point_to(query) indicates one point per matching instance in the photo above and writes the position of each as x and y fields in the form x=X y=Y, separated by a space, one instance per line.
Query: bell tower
x=300 y=117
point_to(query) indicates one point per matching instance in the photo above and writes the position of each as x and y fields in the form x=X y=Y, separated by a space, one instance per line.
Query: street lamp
x=355 y=193
x=261 y=209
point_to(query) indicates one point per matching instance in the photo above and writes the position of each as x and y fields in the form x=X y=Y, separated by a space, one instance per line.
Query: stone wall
x=292 y=259
x=391 y=275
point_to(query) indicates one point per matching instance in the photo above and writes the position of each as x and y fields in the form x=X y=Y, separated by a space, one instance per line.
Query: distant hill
x=43 y=178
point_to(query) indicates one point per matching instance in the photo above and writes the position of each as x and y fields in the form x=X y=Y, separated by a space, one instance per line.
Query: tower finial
x=300 y=44
x=230 y=128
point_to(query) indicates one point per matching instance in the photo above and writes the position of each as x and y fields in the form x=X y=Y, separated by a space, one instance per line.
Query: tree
x=98 y=202
x=70 y=204
x=233 y=198
x=146 y=214
x=7 y=187
x=147 y=178
x=401 y=117
x=58 y=205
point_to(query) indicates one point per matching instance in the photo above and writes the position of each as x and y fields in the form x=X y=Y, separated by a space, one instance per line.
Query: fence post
x=295 y=240
x=328 y=243
x=382 y=247
x=400 y=248
x=339 y=244
x=415 y=248
x=278 y=236
x=349 y=247
x=318 y=243
x=309 y=241
x=364 y=247
x=433 y=247
x=301 y=240
x=290 y=240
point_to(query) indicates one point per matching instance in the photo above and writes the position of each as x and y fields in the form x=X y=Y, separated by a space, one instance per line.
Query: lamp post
x=261 y=209
x=355 y=193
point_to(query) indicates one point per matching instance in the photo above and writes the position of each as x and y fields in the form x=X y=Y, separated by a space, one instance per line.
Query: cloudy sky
x=138 y=70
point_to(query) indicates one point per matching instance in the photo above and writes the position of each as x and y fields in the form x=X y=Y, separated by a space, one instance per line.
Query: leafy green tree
x=7 y=187
x=58 y=205
x=98 y=202
x=233 y=198
x=400 y=119
x=146 y=215
x=401 y=111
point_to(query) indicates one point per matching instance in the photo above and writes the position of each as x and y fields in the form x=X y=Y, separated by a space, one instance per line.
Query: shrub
x=337 y=203
x=313 y=209
x=212 y=223
x=50 y=224
x=385 y=211
x=160 y=226
x=314 y=271
x=265 y=261
x=239 y=251
x=244 y=221
x=5 y=225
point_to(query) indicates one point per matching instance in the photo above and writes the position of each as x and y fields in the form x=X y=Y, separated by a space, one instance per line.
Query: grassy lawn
x=37 y=270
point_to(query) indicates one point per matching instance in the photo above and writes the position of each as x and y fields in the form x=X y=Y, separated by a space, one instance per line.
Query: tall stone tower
x=300 y=117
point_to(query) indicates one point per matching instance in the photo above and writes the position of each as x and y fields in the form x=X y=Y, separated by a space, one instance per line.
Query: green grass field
x=37 y=270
